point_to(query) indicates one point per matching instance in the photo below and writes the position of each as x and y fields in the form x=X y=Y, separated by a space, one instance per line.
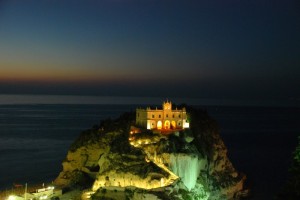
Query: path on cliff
x=173 y=177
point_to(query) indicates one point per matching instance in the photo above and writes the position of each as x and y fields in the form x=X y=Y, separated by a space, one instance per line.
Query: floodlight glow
x=11 y=197
x=44 y=197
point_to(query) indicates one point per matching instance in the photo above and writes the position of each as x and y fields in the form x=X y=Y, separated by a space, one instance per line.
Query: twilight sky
x=166 y=48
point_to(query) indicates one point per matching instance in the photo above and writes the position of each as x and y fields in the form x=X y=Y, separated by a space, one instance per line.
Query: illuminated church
x=162 y=119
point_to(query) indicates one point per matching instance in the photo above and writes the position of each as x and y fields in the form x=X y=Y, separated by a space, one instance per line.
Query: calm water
x=34 y=140
x=260 y=141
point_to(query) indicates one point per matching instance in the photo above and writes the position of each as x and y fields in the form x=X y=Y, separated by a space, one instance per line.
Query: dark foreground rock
x=291 y=190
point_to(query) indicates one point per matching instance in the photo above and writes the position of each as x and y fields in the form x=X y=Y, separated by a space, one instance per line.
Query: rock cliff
x=121 y=157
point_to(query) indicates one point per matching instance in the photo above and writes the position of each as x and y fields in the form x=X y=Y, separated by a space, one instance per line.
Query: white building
x=166 y=118
x=40 y=194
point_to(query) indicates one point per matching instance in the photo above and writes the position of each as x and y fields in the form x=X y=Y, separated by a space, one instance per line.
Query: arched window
x=159 y=125
x=167 y=124
x=173 y=124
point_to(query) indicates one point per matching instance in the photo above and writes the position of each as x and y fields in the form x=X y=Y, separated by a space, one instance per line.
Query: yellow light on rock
x=11 y=197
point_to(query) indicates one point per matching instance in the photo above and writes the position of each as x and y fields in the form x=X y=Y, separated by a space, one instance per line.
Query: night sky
x=166 y=48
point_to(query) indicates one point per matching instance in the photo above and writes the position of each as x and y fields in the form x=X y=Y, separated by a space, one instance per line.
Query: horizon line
x=19 y=99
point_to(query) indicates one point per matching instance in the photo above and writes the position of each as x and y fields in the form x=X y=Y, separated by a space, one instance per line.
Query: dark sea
x=34 y=139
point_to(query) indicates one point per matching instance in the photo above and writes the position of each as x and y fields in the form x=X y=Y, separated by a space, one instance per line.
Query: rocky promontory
x=118 y=159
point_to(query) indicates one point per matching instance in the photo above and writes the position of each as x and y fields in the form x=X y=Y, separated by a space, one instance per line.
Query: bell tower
x=167 y=105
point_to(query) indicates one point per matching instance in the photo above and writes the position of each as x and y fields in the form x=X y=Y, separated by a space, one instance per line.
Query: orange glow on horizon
x=49 y=73
x=59 y=76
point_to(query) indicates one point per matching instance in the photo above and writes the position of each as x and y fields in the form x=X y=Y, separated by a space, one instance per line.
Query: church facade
x=165 y=118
